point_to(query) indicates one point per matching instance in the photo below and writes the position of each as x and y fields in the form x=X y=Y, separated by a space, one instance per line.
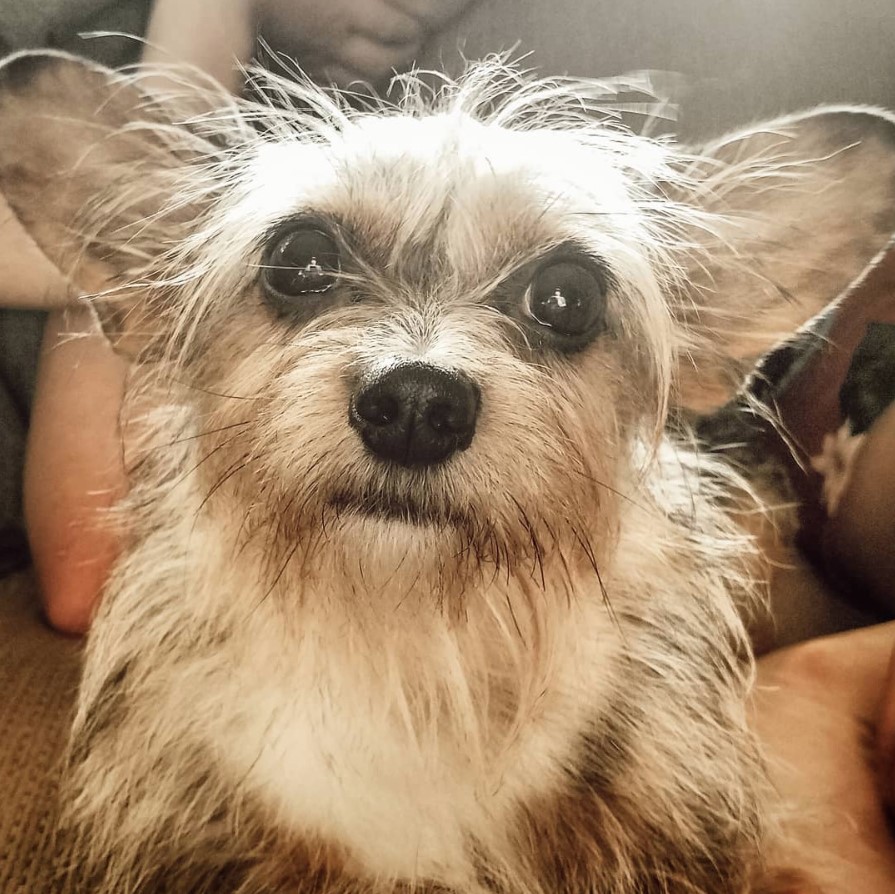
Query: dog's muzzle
x=415 y=414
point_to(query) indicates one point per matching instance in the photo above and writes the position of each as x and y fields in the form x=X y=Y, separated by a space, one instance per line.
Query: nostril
x=442 y=418
x=454 y=417
x=377 y=406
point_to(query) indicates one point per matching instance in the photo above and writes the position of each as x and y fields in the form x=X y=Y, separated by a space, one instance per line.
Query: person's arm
x=861 y=536
x=825 y=709
x=73 y=471
x=817 y=711
x=73 y=468
x=215 y=36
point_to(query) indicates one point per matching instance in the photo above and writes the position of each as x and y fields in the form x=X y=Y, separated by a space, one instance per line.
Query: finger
x=332 y=73
x=321 y=29
x=432 y=14
x=214 y=37
x=73 y=467
x=425 y=11
x=373 y=61
x=385 y=24
x=845 y=671
x=811 y=709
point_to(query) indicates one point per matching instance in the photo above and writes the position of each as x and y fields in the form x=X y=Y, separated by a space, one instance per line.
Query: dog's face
x=438 y=338
x=440 y=335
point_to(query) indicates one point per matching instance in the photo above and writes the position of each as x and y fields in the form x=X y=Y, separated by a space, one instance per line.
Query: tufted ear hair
x=785 y=217
x=87 y=163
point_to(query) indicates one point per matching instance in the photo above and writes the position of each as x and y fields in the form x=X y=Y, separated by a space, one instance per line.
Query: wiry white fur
x=541 y=687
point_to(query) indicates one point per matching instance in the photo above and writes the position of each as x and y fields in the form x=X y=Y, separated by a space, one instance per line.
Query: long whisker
x=204 y=434
x=213 y=393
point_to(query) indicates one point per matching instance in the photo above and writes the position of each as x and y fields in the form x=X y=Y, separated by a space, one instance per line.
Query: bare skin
x=818 y=710
x=885 y=737
x=340 y=40
x=863 y=532
x=825 y=709
x=73 y=467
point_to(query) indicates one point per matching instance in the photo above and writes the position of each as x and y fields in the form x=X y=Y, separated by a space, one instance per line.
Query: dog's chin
x=401 y=510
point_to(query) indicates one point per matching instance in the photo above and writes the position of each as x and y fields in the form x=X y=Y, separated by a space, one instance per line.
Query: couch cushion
x=38 y=678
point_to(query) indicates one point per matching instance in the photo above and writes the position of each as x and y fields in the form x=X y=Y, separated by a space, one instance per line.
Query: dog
x=427 y=586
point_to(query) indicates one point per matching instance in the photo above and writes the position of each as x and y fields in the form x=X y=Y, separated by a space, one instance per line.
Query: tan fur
x=536 y=680
x=804 y=202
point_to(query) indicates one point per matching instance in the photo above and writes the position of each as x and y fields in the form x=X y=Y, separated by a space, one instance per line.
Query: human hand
x=334 y=40
x=817 y=708
x=350 y=40
x=885 y=738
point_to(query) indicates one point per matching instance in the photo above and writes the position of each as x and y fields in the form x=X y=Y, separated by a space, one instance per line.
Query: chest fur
x=409 y=744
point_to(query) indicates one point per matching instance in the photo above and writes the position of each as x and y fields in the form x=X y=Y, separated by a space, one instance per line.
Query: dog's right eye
x=301 y=262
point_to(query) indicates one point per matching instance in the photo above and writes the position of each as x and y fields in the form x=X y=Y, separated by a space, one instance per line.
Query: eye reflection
x=559 y=299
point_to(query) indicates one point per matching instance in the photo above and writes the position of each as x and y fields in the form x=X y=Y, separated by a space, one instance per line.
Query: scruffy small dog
x=422 y=590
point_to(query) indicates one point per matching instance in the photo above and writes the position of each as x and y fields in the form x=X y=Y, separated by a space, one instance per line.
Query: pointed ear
x=83 y=160
x=786 y=216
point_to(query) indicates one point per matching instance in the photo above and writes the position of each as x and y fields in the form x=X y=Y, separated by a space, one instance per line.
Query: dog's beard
x=417 y=536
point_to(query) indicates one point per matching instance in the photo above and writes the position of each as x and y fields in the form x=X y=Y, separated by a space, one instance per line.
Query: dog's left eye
x=302 y=262
x=567 y=297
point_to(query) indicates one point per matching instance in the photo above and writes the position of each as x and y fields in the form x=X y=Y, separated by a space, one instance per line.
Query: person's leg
x=20 y=334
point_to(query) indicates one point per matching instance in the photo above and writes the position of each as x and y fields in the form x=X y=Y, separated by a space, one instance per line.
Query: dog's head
x=449 y=322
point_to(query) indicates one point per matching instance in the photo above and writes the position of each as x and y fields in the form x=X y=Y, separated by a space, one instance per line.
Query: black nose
x=415 y=414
